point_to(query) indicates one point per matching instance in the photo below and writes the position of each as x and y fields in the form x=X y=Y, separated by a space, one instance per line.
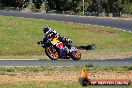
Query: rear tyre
x=51 y=53
x=76 y=55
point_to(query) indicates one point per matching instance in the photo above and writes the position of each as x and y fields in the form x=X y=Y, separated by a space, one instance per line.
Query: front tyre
x=51 y=53
x=76 y=55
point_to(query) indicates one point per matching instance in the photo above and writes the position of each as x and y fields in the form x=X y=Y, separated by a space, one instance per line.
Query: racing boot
x=65 y=53
x=66 y=50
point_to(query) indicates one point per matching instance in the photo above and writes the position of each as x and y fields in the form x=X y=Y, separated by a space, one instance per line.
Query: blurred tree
x=107 y=6
x=128 y=8
x=87 y=3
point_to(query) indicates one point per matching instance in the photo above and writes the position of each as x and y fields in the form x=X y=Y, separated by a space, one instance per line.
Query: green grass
x=14 y=70
x=18 y=36
x=57 y=84
x=20 y=85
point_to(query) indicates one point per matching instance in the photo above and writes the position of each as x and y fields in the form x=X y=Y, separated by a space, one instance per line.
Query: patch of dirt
x=40 y=77
x=67 y=76
x=112 y=75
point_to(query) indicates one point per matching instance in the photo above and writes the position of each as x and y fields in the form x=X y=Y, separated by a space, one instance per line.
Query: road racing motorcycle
x=53 y=53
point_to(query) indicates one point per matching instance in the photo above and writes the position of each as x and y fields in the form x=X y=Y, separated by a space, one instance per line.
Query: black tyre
x=51 y=53
x=76 y=55
x=84 y=81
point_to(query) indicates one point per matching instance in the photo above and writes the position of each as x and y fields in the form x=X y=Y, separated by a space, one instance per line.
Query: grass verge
x=18 y=37
x=12 y=70
x=58 y=84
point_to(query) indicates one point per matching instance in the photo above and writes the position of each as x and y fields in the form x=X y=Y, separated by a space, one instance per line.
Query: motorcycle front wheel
x=76 y=55
x=51 y=53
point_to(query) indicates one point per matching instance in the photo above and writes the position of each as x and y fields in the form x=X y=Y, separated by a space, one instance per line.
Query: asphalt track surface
x=113 y=62
x=114 y=23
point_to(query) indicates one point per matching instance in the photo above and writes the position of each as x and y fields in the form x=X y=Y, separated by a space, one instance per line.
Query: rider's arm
x=64 y=39
x=46 y=40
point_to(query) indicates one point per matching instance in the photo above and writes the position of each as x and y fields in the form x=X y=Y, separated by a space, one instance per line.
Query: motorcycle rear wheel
x=53 y=55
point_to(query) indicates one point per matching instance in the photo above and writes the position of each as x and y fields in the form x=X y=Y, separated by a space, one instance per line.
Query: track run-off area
x=120 y=24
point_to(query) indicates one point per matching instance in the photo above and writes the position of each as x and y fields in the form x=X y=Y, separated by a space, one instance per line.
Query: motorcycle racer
x=52 y=34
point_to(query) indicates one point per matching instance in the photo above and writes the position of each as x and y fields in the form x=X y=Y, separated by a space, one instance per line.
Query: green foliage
x=43 y=7
x=128 y=8
x=87 y=3
x=31 y=6
x=107 y=6
x=0 y=4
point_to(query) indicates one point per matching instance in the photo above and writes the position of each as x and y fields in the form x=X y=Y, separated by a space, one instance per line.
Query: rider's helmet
x=45 y=29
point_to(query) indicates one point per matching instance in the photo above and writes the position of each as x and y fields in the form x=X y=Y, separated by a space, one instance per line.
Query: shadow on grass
x=87 y=47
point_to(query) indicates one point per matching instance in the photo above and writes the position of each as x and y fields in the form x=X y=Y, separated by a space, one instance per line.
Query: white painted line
x=108 y=27
x=95 y=25
x=124 y=30
x=88 y=24
x=116 y=28
x=102 y=26
x=119 y=29
x=22 y=17
x=41 y=19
